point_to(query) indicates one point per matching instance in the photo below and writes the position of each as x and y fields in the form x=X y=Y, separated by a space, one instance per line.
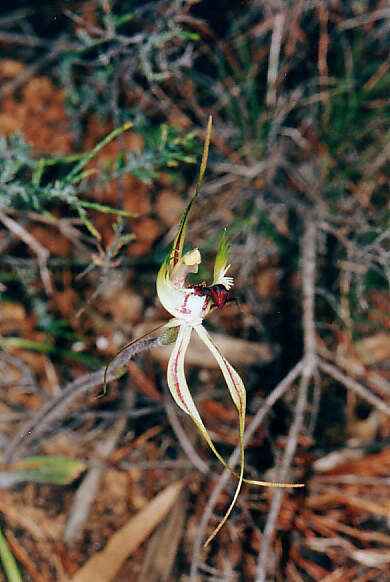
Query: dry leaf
x=104 y=566
x=146 y=230
x=374 y=349
x=162 y=548
x=266 y=282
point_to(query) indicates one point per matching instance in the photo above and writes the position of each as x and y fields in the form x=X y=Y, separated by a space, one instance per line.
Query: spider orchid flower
x=189 y=306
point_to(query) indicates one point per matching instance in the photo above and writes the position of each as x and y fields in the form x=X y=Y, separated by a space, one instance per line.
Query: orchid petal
x=170 y=296
x=176 y=251
x=238 y=394
x=220 y=267
x=167 y=291
x=184 y=304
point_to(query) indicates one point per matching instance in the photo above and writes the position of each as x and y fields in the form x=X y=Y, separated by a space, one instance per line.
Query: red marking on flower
x=183 y=308
x=176 y=378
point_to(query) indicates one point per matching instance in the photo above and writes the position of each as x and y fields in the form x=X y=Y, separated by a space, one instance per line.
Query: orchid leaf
x=42 y=469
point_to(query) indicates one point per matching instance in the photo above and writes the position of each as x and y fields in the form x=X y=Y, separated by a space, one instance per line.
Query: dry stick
x=24 y=39
x=323 y=46
x=356 y=368
x=57 y=407
x=365 y=19
x=41 y=252
x=308 y=369
x=315 y=405
x=183 y=439
x=256 y=421
x=13 y=17
x=274 y=55
x=352 y=384
x=86 y=493
x=292 y=440
x=18 y=81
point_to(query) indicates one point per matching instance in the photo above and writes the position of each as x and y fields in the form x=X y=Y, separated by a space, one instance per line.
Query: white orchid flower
x=189 y=306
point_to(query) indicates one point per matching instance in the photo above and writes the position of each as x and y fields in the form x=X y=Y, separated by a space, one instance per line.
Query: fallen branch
x=57 y=407
x=309 y=255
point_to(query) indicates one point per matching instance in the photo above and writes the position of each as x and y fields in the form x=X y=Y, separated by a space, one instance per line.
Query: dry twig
x=274 y=55
x=86 y=493
x=41 y=252
x=355 y=386
x=183 y=439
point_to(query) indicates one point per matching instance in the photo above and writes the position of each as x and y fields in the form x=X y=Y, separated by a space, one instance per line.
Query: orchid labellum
x=189 y=306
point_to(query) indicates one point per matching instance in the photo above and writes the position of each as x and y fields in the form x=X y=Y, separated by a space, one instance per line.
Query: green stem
x=90 y=155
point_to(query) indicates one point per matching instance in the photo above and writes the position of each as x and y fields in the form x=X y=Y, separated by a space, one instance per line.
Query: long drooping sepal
x=177 y=382
x=232 y=378
x=238 y=394
x=179 y=389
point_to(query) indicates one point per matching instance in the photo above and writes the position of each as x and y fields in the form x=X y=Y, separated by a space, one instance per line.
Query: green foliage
x=23 y=182
x=8 y=561
x=18 y=191
x=164 y=148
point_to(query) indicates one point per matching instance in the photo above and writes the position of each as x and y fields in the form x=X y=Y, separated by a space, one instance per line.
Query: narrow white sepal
x=232 y=378
x=177 y=382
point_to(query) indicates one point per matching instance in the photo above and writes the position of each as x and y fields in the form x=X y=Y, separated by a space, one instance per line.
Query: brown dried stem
x=308 y=369
x=355 y=386
x=186 y=445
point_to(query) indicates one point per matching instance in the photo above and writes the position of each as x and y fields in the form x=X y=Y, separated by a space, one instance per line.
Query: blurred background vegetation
x=103 y=106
